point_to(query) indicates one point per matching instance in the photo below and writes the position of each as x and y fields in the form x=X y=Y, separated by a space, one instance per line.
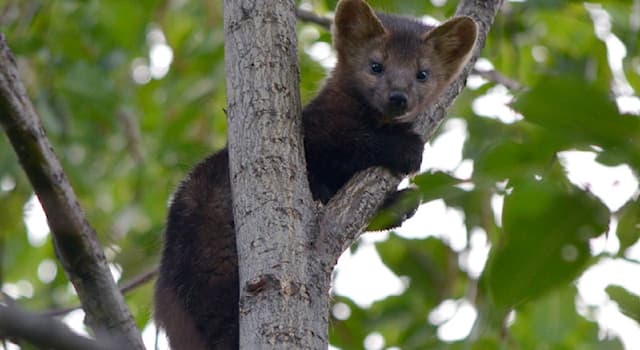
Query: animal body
x=389 y=68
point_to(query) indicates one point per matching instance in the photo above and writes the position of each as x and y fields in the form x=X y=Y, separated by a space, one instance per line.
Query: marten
x=389 y=69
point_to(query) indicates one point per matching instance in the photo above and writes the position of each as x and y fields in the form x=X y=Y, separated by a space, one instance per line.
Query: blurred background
x=528 y=235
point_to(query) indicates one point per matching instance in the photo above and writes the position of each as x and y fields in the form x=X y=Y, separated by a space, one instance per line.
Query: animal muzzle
x=397 y=103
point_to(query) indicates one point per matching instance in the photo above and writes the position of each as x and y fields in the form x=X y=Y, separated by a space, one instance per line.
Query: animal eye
x=376 y=68
x=422 y=75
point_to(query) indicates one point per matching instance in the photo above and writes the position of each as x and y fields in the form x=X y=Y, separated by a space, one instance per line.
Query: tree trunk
x=287 y=246
x=283 y=288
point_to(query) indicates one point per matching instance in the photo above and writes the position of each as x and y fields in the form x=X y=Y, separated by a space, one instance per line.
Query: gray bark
x=283 y=287
x=75 y=240
x=286 y=245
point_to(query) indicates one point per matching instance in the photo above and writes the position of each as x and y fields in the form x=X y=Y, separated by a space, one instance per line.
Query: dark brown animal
x=389 y=69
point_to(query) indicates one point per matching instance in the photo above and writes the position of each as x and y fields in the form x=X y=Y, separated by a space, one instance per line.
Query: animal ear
x=453 y=42
x=355 y=22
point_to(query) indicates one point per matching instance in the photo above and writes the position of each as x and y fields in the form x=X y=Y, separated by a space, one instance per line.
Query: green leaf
x=629 y=303
x=398 y=206
x=628 y=230
x=433 y=275
x=424 y=261
x=545 y=243
x=437 y=185
x=553 y=323
x=349 y=333
x=515 y=160
x=577 y=114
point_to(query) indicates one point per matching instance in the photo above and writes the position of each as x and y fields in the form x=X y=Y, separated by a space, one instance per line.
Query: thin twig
x=311 y=17
x=131 y=128
x=138 y=281
x=126 y=287
x=499 y=78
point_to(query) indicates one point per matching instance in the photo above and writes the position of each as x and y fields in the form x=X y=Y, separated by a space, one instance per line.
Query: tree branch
x=311 y=17
x=347 y=214
x=497 y=77
x=45 y=332
x=75 y=240
x=125 y=288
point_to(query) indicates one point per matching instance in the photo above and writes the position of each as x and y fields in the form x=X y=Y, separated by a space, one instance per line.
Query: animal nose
x=398 y=101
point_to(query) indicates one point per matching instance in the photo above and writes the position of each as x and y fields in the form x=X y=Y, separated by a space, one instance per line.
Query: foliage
x=126 y=144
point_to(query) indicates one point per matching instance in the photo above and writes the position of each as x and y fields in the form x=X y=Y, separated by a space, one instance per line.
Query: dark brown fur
x=354 y=123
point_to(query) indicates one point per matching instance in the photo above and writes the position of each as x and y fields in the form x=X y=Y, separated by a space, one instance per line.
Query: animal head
x=399 y=65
